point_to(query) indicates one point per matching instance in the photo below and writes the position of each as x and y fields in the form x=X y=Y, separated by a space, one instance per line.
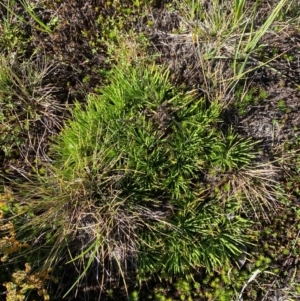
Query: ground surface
x=274 y=118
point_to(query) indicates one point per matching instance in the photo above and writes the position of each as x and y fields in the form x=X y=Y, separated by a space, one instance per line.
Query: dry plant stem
x=255 y=273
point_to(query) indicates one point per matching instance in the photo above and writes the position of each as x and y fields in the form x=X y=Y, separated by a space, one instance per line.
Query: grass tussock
x=128 y=187
x=174 y=168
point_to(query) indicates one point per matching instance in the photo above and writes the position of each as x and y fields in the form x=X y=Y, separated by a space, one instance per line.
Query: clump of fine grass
x=27 y=106
x=127 y=193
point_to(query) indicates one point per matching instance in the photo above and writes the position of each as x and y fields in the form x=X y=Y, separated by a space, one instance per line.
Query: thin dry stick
x=240 y=298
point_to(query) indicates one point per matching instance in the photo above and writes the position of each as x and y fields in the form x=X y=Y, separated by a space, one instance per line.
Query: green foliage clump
x=13 y=39
x=248 y=98
x=127 y=190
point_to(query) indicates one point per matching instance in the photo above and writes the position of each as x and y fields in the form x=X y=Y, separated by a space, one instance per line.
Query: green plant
x=283 y=107
x=247 y=97
x=246 y=50
x=239 y=6
x=29 y=8
x=126 y=189
x=13 y=40
x=233 y=153
x=184 y=289
x=134 y=296
x=225 y=32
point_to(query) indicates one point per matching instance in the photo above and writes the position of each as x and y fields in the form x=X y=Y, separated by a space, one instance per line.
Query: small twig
x=249 y=280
